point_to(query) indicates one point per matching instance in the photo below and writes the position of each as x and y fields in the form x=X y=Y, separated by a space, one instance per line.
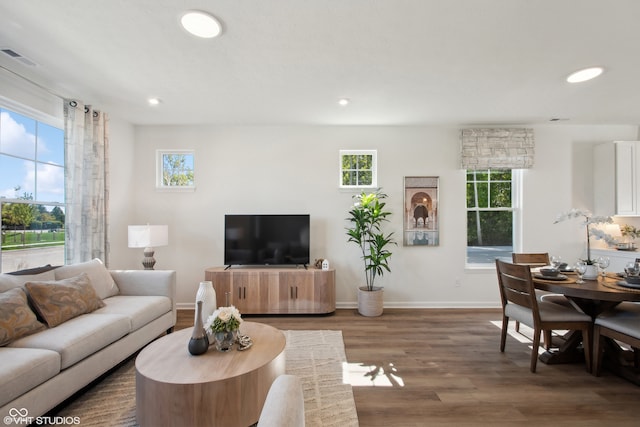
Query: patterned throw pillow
x=99 y=276
x=61 y=300
x=16 y=318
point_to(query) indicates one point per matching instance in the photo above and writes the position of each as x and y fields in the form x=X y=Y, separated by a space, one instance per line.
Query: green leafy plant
x=367 y=216
x=629 y=231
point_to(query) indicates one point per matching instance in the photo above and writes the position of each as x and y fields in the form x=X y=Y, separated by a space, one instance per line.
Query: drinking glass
x=632 y=269
x=603 y=263
x=581 y=268
x=555 y=261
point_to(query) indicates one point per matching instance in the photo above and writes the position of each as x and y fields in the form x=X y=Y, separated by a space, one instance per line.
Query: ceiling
x=287 y=62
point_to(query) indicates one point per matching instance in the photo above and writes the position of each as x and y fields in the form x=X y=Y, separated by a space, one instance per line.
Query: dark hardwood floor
x=444 y=367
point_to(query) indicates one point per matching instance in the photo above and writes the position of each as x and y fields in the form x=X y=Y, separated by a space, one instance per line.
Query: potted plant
x=367 y=217
x=589 y=221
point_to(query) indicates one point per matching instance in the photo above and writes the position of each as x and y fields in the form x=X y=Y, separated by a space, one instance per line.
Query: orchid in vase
x=590 y=222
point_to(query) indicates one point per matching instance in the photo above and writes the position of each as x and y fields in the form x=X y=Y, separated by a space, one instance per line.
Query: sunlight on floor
x=525 y=335
x=359 y=375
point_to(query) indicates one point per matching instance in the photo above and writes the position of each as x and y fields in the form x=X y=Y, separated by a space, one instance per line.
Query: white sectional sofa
x=58 y=343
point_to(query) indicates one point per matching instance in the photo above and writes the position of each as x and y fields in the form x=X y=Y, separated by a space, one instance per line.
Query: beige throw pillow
x=61 y=300
x=16 y=318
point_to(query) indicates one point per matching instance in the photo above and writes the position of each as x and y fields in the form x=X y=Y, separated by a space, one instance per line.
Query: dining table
x=592 y=297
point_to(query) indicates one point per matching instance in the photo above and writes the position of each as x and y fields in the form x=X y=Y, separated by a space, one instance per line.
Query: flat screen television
x=266 y=239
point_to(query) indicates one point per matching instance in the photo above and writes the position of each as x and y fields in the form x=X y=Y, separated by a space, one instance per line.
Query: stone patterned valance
x=496 y=148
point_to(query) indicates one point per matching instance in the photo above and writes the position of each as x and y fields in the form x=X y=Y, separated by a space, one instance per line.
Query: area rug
x=316 y=357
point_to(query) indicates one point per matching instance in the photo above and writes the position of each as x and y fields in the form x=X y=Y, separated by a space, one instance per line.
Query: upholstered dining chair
x=622 y=323
x=519 y=303
x=539 y=259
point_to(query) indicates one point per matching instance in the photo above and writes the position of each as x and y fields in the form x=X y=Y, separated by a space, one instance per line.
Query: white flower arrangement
x=224 y=319
x=589 y=219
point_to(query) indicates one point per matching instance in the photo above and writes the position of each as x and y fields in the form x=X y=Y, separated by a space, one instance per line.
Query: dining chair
x=519 y=302
x=539 y=259
x=622 y=323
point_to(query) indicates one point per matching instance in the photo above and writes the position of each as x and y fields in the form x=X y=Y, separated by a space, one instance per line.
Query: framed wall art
x=421 y=211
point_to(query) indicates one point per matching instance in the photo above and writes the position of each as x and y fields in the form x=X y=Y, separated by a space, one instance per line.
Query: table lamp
x=148 y=237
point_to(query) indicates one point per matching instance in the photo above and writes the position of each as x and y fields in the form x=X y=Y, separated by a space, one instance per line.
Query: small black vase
x=199 y=342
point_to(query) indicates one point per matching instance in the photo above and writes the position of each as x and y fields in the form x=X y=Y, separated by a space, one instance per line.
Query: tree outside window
x=175 y=169
x=358 y=169
x=490 y=215
x=32 y=199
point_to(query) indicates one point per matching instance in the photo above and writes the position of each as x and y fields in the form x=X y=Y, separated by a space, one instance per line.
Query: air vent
x=15 y=55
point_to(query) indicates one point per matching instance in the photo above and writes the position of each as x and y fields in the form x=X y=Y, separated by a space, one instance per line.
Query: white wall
x=295 y=170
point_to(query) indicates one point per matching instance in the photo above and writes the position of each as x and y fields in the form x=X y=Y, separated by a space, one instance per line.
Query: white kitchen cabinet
x=616 y=174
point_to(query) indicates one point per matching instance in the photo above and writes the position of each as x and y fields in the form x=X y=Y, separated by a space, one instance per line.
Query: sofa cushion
x=140 y=309
x=61 y=300
x=10 y=281
x=79 y=337
x=99 y=276
x=23 y=369
x=16 y=318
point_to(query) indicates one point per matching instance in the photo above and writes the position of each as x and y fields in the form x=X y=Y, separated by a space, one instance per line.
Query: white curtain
x=86 y=183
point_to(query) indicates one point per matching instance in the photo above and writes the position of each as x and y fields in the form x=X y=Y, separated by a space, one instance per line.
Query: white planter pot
x=591 y=273
x=370 y=303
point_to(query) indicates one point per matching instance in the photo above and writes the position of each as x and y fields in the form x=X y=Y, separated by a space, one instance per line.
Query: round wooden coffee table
x=174 y=388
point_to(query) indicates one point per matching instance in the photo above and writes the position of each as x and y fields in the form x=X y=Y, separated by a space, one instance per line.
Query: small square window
x=358 y=169
x=175 y=170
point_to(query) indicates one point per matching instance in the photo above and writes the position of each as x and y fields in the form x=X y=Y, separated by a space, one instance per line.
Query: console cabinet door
x=273 y=291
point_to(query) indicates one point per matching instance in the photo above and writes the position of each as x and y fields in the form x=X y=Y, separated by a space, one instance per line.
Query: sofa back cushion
x=61 y=300
x=16 y=318
x=99 y=276
x=11 y=280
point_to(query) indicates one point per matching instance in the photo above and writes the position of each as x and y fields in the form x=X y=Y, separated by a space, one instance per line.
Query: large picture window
x=491 y=214
x=358 y=169
x=32 y=200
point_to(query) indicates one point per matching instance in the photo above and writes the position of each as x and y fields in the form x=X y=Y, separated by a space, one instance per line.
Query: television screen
x=266 y=240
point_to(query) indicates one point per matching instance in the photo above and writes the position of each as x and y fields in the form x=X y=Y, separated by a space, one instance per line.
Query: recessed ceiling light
x=584 y=75
x=154 y=101
x=201 y=24
x=344 y=101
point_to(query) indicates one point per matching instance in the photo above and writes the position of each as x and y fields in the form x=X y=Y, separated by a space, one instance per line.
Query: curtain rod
x=28 y=80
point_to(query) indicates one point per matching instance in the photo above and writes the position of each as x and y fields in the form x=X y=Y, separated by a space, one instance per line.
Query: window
x=492 y=216
x=175 y=170
x=358 y=169
x=32 y=201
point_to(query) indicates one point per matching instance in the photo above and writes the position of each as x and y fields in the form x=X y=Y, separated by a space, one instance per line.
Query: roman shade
x=496 y=148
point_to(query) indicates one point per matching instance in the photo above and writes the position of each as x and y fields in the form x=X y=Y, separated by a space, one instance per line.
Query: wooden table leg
x=570 y=351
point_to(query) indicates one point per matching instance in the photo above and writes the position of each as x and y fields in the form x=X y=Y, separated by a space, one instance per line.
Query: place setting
x=630 y=277
x=557 y=271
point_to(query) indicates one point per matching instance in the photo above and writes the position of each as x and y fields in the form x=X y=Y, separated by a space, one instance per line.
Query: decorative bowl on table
x=549 y=271
x=634 y=280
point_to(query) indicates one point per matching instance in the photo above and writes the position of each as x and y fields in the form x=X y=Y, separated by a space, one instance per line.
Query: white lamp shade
x=148 y=236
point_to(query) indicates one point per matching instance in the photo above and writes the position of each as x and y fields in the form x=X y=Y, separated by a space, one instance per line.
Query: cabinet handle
x=296 y=292
x=244 y=292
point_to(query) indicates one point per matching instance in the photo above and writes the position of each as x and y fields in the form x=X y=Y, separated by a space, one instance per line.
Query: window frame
x=374 y=168
x=160 y=170
x=517 y=178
